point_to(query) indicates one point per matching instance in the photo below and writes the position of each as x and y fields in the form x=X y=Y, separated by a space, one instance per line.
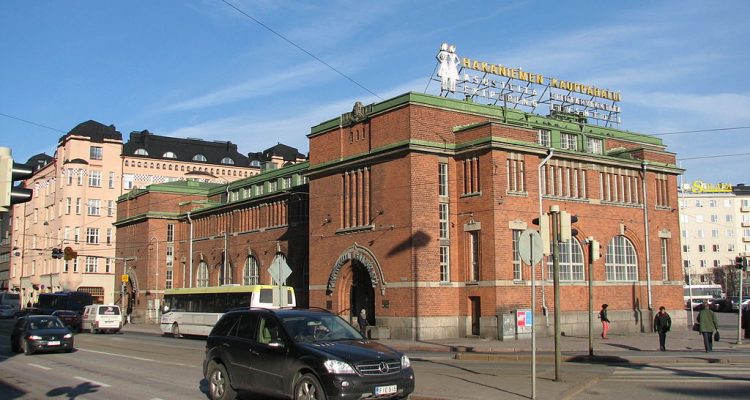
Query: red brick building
x=415 y=207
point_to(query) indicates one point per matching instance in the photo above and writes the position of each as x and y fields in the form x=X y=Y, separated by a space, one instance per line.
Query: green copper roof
x=501 y=114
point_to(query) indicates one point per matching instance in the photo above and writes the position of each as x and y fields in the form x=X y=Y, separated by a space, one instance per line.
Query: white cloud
x=264 y=85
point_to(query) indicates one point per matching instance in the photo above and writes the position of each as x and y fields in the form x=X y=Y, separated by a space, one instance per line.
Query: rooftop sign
x=703 y=187
x=514 y=87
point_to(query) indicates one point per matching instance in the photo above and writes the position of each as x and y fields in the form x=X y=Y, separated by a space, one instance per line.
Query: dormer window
x=140 y=152
x=199 y=157
x=169 y=154
x=255 y=163
x=227 y=161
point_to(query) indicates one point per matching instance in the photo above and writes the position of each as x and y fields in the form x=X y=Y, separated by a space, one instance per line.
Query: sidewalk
x=681 y=343
x=683 y=346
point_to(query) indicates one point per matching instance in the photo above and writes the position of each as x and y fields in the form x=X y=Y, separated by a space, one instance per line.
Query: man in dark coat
x=662 y=323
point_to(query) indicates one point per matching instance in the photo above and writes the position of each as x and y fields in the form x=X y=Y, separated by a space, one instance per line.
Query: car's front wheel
x=219 y=384
x=176 y=331
x=308 y=388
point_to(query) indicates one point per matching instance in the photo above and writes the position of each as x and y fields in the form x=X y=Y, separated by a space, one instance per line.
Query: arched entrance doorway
x=361 y=293
x=357 y=273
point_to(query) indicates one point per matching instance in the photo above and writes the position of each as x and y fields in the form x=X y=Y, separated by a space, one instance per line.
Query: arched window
x=169 y=154
x=250 y=273
x=621 y=263
x=227 y=161
x=199 y=157
x=570 y=261
x=228 y=280
x=202 y=279
x=140 y=152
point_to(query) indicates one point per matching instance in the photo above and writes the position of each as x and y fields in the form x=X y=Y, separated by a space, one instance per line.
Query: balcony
x=746 y=238
x=745 y=208
x=745 y=224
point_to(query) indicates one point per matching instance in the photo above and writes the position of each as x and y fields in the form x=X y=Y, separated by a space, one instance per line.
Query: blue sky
x=202 y=69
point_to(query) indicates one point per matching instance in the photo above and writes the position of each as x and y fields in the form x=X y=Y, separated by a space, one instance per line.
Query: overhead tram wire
x=302 y=49
x=714 y=156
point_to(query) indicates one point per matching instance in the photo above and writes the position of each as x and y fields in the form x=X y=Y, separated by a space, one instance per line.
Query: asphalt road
x=146 y=366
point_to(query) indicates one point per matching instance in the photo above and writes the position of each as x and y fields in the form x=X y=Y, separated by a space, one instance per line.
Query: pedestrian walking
x=662 y=323
x=707 y=326
x=362 y=321
x=605 y=320
x=746 y=321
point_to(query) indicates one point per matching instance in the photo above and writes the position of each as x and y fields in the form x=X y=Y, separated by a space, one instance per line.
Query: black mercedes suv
x=300 y=354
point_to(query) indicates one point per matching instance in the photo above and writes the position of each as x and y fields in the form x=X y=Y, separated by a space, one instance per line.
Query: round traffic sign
x=530 y=246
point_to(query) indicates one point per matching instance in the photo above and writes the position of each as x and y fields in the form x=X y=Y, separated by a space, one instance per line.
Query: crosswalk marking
x=697 y=373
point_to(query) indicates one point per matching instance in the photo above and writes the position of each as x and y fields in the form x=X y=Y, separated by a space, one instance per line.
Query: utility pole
x=555 y=216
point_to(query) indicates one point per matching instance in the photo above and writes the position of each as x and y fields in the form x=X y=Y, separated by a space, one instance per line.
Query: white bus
x=695 y=295
x=195 y=311
x=10 y=299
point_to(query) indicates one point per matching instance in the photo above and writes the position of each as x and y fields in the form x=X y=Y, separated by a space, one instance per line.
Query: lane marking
x=139 y=358
x=80 y=378
x=40 y=366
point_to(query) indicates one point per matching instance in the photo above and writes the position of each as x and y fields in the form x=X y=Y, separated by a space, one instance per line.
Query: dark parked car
x=300 y=354
x=29 y=311
x=720 y=305
x=71 y=319
x=34 y=333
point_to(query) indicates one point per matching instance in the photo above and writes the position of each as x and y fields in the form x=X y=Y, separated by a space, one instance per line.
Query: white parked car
x=7 y=311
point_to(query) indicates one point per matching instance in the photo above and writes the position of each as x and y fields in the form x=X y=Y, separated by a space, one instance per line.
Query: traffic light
x=543 y=223
x=69 y=254
x=57 y=253
x=594 y=249
x=9 y=173
x=566 y=222
x=740 y=263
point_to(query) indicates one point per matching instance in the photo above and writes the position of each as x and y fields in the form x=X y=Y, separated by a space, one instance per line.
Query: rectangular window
x=79 y=178
x=127 y=181
x=474 y=256
x=355 y=206
x=714 y=218
x=729 y=218
x=730 y=248
x=543 y=138
x=95 y=153
x=715 y=248
x=66 y=266
x=442 y=179
x=272 y=186
x=727 y=203
x=75 y=264
x=111 y=180
x=568 y=141
x=594 y=145
x=91 y=264
x=712 y=203
x=714 y=233
x=92 y=235
x=517 y=274
x=168 y=279
x=95 y=178
x=471 y=175
x=515 y=170
x=93 y=207
x=444 y=221
x=76 y=234
x=66 y=233
x=69 y=176
x=445 y=269
x=78 y=206
x=170 y=233
x=68 y=205
x=110 y=208
x=108 y=265
x=109 y=235
x=701 y=248
x=665 y=259
x=685 y=248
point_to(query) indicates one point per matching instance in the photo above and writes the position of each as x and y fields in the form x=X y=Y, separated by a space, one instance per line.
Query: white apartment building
x=715 y=227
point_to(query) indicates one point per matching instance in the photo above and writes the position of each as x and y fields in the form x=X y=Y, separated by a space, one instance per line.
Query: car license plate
x=53 y=343
x=390 y=389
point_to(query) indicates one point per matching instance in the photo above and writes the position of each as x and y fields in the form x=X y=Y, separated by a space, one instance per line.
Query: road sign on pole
x=530 y=246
